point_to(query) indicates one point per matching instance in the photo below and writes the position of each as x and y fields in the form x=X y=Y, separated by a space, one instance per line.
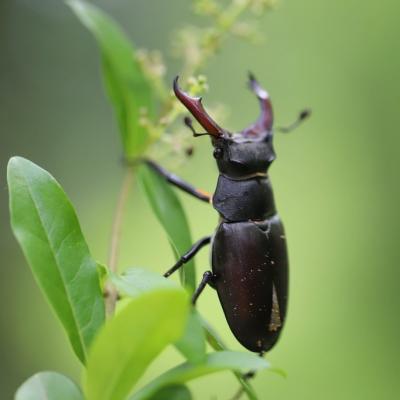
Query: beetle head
x=239 y=154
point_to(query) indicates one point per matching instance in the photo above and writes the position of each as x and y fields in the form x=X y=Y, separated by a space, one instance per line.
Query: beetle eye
x=218 y=152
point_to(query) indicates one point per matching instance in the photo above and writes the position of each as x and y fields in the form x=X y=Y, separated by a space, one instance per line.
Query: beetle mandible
x=248 y=249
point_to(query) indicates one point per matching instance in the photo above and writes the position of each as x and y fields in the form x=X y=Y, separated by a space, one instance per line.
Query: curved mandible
x=193 y=104
x=265 y=120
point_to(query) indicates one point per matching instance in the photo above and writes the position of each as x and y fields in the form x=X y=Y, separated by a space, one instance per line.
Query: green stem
x=111 y=291
x=224 y=24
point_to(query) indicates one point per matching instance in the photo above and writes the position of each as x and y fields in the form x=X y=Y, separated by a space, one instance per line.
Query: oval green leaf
x=48 y=386
x=219 y=361
x=169 y=212
x=135 y=281
x=47 y=228
x=131 y=340
x=127 y=87
x=193 y=342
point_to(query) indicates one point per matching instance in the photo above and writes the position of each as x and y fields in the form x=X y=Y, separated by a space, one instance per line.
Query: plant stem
x=111 y=291
x=224 y=23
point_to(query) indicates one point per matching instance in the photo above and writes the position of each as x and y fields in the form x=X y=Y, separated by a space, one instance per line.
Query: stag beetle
x=248 y=249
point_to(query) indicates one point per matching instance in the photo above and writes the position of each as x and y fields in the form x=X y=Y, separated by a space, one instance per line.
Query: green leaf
x=213 y=339
x=171 y=215
x=48 y=386
x=128 y=89
x=173 y=392
x=47 y=228
x=135 y=281
x=215 y=362
x=131 y=340
x=217 y=344
x=193 y=344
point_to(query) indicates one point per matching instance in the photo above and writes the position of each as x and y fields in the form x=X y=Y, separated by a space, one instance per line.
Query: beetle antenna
x=189 y=123
x=302 y=116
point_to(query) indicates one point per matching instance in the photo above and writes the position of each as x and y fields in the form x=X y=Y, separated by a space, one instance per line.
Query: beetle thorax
x=240 y=159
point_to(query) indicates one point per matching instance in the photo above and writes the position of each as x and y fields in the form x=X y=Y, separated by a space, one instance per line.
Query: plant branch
x=211 y=43
x=110 y=291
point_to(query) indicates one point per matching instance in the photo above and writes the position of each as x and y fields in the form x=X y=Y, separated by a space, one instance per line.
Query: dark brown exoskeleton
x=249 y=256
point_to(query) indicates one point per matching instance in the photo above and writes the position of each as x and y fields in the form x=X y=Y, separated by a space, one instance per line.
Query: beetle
x=248 y=249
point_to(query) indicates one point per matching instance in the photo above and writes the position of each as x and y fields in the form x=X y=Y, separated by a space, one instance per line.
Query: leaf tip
x=77 y=7
x=18 y=162
x=73 y=3
x=14 y=163
x=279 y=371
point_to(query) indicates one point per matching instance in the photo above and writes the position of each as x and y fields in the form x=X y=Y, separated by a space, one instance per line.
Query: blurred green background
x=336 y=181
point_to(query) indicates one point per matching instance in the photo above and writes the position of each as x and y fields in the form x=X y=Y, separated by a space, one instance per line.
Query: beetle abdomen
x=250 y=262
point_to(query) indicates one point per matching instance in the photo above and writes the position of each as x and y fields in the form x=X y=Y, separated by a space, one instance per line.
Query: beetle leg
x=301 y=117
x=189 y=255
x=179 y=182
x=208 y=277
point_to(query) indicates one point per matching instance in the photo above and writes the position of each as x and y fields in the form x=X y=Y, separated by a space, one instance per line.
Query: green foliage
x=217 y=344
x=48 y=386
x=128 y=89
x=129 y=342
x=136 y=281
x=46 y=226
x=170 y=213
x=214 y=362
x=193 y=342
x=175 y=392
x=153 y=312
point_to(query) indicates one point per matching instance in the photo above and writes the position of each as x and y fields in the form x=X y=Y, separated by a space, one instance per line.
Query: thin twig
x=238 y=394
x=110 y=291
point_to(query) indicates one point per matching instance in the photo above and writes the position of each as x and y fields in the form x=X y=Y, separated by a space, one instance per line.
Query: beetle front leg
x=179 y=182
x=189 y=255
x=208 y=279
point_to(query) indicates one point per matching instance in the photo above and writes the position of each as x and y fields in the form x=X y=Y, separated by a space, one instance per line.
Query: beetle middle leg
x=189 y=255
x=208 y=279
